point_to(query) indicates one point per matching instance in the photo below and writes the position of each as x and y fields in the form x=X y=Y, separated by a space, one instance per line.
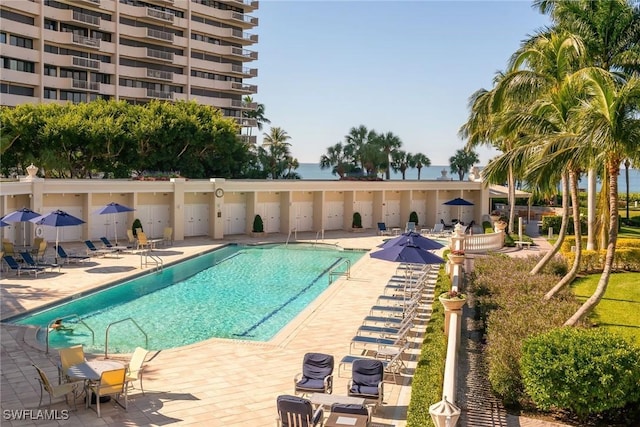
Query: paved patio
x=216 y=382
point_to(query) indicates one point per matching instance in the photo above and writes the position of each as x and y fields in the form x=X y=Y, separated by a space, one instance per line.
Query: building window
x=3 y=38
x=16 y=90
x=21 y=42
x=74 y=97
x=18 y=65
x=50 y=70
x=50 y=93
x=50 y=25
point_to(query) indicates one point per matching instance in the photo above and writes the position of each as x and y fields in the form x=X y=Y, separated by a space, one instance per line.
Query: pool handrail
x=347 y=273
x=49 y=327
x=106 y=335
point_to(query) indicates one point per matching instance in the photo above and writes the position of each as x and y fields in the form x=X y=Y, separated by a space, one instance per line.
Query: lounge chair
x=383 y=230
x=294 y=411
x=380 y=341
x=26 y=256
x=445 y=225
x=135 y=367
x=316 y=375
x=19 y=269
x=392 y=365
x=92 y=250
x=110 y=245
x=411 y=226
x=112 y=383
x=366 y=380
x=70 y=258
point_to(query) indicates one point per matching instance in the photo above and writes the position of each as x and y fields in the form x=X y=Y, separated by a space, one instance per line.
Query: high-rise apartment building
x=134 y=50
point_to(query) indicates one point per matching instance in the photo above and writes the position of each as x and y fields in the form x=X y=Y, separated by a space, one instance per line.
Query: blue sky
x=407 y=67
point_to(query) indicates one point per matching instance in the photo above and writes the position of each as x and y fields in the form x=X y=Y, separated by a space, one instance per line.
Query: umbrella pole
x=115 y=229
x=57 y=245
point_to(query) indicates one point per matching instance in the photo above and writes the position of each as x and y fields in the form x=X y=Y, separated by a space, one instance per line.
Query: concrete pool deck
x=215 y=382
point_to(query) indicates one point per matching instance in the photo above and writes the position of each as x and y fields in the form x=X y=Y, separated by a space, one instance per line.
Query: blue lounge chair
x=107 y=243
x=19 y=269
x=366 y=380
x=316 y=375
x=383 y=230
x=26 y=256
x=92 y=250
x=70 y=258
x=294 y=411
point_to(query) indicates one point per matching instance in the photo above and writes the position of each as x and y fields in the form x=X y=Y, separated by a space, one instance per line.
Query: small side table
x=344 y=420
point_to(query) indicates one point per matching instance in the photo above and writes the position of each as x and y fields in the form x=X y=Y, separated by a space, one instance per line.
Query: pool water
x=238 y=292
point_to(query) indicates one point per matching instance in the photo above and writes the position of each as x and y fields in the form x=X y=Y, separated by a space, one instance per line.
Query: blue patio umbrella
x=3 y=224
x=57 y=219
x=407 y=253
x=114 y=208
x=412 y=238
x=458 y=202
x=21 y=215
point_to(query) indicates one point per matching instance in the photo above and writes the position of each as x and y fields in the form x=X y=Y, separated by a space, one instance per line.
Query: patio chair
x=131 y=237
x=56 y=391
x=27 y=258
x=36 y=245
x=351 y=409
x=366 y=380
x=294 y=411
x=135 y=367
x=69 y=356
x=112 y=383
x=143 y=241
x=8 y=248
x=316 y=375
x=383 y=230
x=70 y=258
x=42 y=248
x=411 y=226
x=167 y=236
x=19 y=269
x=92 y=250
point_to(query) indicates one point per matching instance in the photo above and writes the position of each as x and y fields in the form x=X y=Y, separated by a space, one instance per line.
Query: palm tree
x=275 y=151
x=462 y=162
x=356 y=141
x=257 y=114
x=337 y=158
x=419 y=161
x=400 y=162
x=389 y=143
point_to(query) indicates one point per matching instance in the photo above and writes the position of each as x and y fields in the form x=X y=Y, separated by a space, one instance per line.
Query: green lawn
x=619 y=309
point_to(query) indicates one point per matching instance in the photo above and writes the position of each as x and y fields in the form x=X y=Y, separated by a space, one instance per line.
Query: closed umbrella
x=21 y=215
x=409 y=253
x=412 y=238
x=114 y=208
x=458 y=202
x=57 y=219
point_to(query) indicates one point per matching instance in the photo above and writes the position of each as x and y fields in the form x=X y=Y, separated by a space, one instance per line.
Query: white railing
x=79 y=61
x=158 y=74
x=160 y=35
x=159 y=14
x=85 y=18
x=159 y=54
x=86 y=41
x=482 y=243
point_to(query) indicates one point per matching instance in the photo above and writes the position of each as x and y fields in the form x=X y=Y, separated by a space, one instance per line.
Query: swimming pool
x=238 y=292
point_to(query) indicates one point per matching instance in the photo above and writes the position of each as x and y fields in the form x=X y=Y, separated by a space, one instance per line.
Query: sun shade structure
x=409 y=253
x=412 y=238
x=57 y=219
x=114 y=208
x=21 y=215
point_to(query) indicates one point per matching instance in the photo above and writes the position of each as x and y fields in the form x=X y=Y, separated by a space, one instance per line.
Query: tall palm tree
x=356 y=141
x=400 y=162
x=419 y=161
x=276 y=151
x=389 y=143
x=462 y=161
x=336 y=158
x=257 y=114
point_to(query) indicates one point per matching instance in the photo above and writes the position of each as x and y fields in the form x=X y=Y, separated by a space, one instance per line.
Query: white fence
x=482 y=243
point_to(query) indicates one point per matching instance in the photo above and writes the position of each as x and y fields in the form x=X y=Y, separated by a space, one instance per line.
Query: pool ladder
x=295 y=235
x=70 y=316
x=346 y=273
x=144 y=260
x=106 y=335
x=318 y=234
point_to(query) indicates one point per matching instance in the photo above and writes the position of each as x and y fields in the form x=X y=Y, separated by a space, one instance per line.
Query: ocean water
x=313 y=171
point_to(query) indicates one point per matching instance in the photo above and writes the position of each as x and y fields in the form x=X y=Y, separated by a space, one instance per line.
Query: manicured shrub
x=258 y=225
x=136 y=225
x=487 y=227
x=556 y=222
x=413 y=217
x=357 y=220
x=585 y=371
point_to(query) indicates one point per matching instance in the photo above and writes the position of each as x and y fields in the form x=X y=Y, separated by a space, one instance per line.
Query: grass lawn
x=619 y=309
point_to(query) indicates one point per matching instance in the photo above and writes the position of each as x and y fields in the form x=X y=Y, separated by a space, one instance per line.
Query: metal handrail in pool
x=93 y=335
x=338 y=273
x=156 y=260
x=318 y=234
x=106 y=335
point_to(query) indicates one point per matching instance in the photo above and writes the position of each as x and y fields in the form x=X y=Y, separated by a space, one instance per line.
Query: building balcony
x=237 y=103
x=250 y=139
x=83 y=84
x=243 y=37
x=248 y=5
x=159 y=54
x=160 y=75
x=245 y=72
x=246 y=122
x=84 y=18
x=159 y=94
x=244 y=54
x=160 y=35
x=244 y=88
x=86 y=63
x=79 y=40
x=160 y=15
x=89 y=2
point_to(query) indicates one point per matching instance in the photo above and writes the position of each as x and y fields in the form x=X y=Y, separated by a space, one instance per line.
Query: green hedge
x=426 y=386
x=585 y=371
